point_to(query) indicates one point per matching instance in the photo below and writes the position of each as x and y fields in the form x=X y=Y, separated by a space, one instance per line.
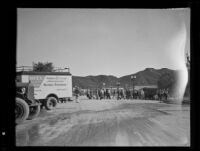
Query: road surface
x=108 y=123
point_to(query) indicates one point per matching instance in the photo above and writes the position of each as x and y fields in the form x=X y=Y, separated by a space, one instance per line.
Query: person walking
x=102 y=94
x=159 y=95
x=166 y=91
x=113 y=93
x=123 y=94
x=118 y=94
x=91 y=94
x=142 y=94
x=76 y=92
x=87 y=94
x=127 y=95
x=107 y=94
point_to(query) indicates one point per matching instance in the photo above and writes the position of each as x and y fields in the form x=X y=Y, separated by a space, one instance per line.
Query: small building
x=139 y=87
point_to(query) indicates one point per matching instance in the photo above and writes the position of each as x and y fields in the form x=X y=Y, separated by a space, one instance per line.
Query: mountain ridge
x=148 y=76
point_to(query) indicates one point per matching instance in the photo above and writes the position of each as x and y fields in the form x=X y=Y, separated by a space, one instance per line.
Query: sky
x=115 y=42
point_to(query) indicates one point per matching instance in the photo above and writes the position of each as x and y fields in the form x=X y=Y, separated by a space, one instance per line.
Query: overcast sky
x=103 y=41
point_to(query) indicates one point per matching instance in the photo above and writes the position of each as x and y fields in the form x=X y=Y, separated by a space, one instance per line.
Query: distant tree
x=43 y=67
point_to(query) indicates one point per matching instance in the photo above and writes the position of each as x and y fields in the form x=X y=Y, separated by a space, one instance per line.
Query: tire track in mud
x=85 y=125
x=95 y=130
x=110 y=131
x=124 y=125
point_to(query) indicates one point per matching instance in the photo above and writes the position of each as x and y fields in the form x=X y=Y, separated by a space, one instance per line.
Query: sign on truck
x=49 y=87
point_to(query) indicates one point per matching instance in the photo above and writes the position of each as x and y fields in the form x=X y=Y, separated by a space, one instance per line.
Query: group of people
x=162 y=94
x=114 y=94
x=99 y=94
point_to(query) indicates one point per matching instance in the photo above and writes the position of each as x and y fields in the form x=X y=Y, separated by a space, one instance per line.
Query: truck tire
x=50 y=103
x=21 y=110
x=34 y=112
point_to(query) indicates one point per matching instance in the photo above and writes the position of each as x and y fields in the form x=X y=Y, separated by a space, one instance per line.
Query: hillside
x=149 y=76
x=94 y=81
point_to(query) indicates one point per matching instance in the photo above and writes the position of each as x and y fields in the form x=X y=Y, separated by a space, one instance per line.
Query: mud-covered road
x=108 y=123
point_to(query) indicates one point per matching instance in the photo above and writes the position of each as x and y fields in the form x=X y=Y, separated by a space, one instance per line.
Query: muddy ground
x=108 y=123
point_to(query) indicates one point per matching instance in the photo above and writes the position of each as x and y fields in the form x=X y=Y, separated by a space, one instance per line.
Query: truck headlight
x=23 y=90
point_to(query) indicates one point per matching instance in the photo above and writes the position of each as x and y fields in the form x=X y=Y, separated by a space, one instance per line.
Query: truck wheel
x=34 y=111
x=50 y=103
x=21 y=111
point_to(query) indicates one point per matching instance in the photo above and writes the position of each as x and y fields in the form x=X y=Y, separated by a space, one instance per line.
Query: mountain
x=163 y=78
x=149 y=76
x=94 y=81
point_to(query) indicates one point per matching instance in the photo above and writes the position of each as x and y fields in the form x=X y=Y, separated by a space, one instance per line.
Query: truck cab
x=25 y=91
x=26 y=106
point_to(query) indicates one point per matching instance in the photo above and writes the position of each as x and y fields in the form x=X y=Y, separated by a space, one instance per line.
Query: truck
x=149 y=93
x=26 y=106
x=49 y=87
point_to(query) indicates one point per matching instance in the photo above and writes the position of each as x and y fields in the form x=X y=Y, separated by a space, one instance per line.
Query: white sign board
x=60 y=85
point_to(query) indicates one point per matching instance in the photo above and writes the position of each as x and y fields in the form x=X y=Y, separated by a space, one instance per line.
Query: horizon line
x=126 y=75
